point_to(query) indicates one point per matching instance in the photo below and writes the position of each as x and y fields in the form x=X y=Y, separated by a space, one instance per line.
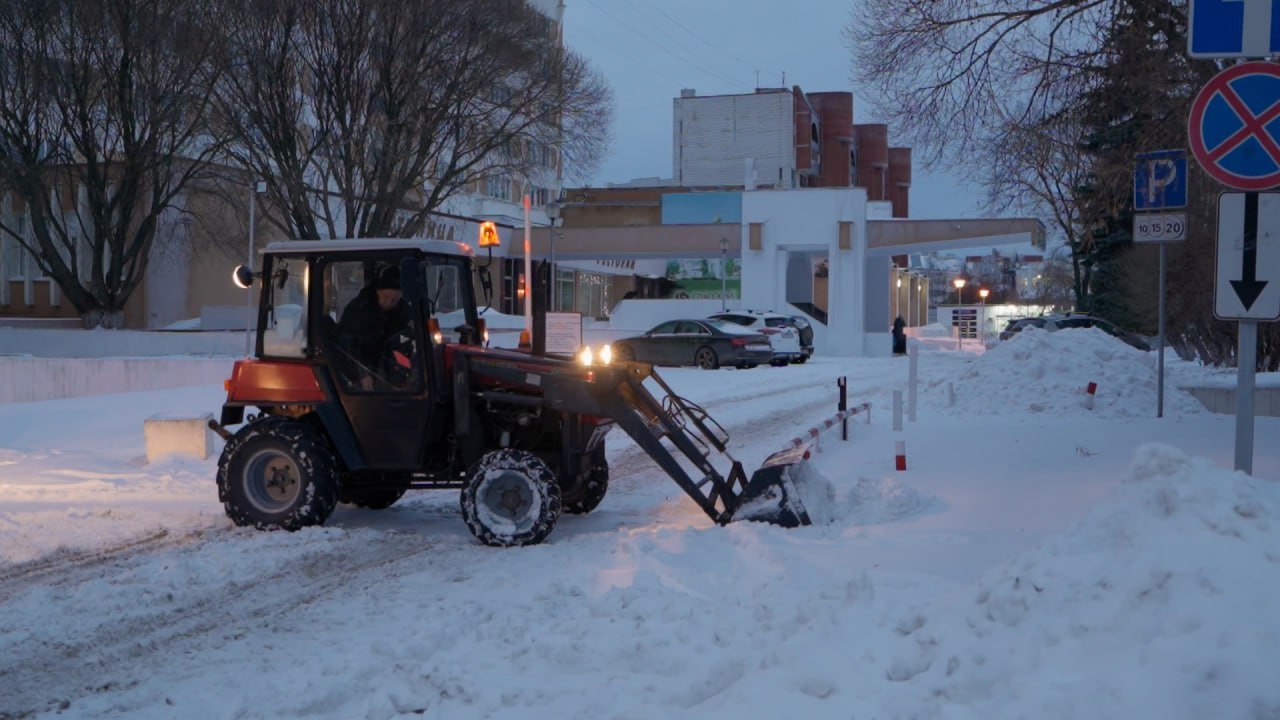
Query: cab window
x=285 y=331
x=370 y=335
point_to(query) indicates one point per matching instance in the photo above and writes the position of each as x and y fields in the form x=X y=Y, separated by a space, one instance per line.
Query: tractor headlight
x=591 y=357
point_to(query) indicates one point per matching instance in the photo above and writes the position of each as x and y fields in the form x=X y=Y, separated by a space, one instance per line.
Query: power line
x=636 y=9
x=702 y=39
x=690 y=60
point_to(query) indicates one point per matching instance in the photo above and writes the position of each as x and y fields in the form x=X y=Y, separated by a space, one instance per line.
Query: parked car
x=1017 y=325
x=1087 y=321
x=705 y=343
x=1053 y=323
x=785 y=335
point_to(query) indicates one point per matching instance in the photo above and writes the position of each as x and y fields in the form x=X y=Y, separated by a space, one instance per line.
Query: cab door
x=378 y=370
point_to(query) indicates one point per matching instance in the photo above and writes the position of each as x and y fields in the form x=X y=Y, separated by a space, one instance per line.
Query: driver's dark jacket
x=366 y=329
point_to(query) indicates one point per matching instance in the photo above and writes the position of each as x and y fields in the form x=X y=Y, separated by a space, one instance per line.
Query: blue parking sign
x=1233 y=28
x=1160 y=180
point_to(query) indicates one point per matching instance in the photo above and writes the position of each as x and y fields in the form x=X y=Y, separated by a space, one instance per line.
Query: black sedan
x=705 y=343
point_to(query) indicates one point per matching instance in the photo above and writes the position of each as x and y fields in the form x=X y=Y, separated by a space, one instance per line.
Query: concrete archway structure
x=773 y=229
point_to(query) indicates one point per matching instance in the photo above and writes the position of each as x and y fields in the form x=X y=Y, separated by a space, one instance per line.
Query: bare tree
x=364 y=116
x=102 y=126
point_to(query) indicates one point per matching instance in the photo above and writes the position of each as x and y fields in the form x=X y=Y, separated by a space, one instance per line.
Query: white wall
x=713 y=136
x=639 y=315
x=116 y=343
x=808 y=221
x=29 y=379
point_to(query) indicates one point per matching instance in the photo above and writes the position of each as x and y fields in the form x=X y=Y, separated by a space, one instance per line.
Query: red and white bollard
x=1089 y=392
x=900 y=455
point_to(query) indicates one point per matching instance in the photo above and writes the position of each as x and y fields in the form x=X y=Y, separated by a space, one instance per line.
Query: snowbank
x=1134 y=612
x=1043 y=372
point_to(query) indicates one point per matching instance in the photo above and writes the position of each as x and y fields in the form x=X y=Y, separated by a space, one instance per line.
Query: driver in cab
x=375 y=331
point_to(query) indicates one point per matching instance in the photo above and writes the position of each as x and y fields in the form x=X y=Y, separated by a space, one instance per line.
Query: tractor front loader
x=407 y=395
x=618 y=392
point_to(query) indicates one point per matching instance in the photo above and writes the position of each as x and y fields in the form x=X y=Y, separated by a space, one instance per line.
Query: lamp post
x=258 y=186
x=982 y=319
x=959 y=283
x=897 y=298
x=724 y=273
x=553 y=214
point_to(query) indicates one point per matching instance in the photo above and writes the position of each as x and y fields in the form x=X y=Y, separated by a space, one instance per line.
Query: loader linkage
x=618 y=392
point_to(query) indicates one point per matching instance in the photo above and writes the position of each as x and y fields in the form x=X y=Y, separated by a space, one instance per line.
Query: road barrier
x=812 y=434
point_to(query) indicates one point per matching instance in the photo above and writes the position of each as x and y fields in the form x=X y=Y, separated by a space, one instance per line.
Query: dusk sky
x=649 y=49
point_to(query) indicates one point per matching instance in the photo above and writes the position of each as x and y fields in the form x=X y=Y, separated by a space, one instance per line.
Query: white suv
x=783 y=336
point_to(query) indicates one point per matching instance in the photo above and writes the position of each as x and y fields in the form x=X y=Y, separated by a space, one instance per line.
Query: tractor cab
x=370 y=320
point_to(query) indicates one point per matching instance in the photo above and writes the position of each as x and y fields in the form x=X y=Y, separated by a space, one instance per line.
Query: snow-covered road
x=1035 y=559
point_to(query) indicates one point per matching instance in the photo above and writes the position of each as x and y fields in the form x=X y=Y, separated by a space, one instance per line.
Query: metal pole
x=843 y=405
x=554 y=280
x=982 y=322
x=1246 y=359
x=913 y=376
x=724 y=274
x=528 y=273
x=248 y=303
x=1160 y=339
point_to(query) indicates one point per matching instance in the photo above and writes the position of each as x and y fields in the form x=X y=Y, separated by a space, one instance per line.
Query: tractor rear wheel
x=585 y=495
x=510 y=498
x=277 y=472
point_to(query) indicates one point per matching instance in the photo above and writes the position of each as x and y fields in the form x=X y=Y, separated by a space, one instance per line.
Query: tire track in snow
x=20 y=575
x=104 y=652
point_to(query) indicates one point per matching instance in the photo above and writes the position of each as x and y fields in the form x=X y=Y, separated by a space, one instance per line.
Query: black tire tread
x=519 y=460
x=314 y=458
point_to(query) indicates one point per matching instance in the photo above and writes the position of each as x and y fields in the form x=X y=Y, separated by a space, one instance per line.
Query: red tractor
x=371 y=376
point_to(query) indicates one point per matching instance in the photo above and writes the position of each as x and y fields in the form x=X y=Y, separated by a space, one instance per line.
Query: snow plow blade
x=772 y=495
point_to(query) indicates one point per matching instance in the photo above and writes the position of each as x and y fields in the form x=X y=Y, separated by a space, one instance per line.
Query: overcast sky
x=650 y=49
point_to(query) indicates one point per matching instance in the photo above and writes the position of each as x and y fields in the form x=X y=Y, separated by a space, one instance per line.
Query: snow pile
x=1133 y=612
x=1047 y=372
x=885 y=500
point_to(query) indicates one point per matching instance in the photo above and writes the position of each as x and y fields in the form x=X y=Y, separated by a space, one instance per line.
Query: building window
x=18 y=263
x=498 y=187
x=564 y=290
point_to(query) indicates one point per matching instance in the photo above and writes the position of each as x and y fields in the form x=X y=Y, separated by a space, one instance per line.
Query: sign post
x=1160 y=183
x=1247 y=289
x=1232 y=134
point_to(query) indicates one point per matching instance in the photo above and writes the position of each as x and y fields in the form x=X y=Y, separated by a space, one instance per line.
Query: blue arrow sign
x=1234 y=28
x=1160 y=180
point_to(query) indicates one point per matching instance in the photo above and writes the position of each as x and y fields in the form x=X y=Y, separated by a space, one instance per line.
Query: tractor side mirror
x=243 y=276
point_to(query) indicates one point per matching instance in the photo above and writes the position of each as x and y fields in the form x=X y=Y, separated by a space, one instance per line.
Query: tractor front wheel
x=510 y=498
x=278 y=472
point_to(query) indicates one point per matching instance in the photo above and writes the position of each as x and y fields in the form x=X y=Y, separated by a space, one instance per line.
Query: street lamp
x=959 y=283
x=259 y=186
x=982 y=319
x=553 y=214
